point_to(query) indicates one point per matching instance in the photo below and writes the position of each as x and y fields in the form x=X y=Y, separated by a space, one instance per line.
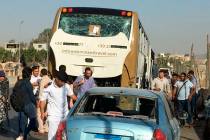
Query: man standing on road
x=162 y=84
x=57 y=105
x=83 y=83
x=29 y=105
x=184 y=91
x=4 y=94
x=44 y=81
x=194 y=80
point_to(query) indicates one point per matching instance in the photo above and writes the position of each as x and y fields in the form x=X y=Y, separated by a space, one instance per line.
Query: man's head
x=35 y=70
x=88 y=72
x=175 y=76
x=69 y=80
x=2 y=75
x=61 y=78
x=161 y=74
x=43 y=72
x=190 y=74
x=183 y=76
x=62 y=68
x=26 y=72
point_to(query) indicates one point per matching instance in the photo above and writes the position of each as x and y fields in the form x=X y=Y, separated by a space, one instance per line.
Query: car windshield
x=95 y=25
x=117 y=105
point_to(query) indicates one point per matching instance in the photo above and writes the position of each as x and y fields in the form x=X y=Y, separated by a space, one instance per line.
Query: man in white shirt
x=35 y=79
x=183 y=91
x=162 y=84
x=57 y=106
x=195 y=97
x=44 y=81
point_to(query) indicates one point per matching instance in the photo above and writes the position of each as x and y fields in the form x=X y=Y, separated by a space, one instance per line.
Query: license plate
x=106 y=137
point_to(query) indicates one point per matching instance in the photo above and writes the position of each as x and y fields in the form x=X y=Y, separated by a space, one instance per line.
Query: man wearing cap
x=57 y=105
x=4 y=94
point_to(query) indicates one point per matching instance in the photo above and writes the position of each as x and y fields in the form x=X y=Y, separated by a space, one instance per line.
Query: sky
x=171 y=25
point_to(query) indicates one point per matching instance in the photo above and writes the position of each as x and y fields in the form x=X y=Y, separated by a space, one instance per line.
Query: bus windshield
x=101 y=25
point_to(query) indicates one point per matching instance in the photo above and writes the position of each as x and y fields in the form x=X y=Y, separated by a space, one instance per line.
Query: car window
x=128 y=106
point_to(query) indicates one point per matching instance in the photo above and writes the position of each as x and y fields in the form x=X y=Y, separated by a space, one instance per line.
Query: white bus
x=112 y=42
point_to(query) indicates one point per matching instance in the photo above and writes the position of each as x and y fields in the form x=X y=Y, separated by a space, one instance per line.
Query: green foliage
x=5 y=55
x=31 y=55
x=41 y=56
x=43 y=37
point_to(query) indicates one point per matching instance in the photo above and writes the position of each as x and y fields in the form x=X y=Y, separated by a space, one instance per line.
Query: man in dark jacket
x=29 y=109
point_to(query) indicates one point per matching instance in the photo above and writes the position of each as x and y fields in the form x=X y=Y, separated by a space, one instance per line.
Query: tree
x=41 y=56
x=7 y=56
x=44 y=36
x=29 y=54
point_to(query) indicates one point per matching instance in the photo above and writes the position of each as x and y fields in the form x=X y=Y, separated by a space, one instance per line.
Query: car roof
x=125 y=91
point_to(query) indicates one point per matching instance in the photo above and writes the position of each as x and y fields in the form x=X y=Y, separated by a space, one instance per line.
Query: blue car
x=116 y=113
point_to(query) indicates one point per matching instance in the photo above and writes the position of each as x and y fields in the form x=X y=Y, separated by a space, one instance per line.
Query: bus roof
x=94 y=10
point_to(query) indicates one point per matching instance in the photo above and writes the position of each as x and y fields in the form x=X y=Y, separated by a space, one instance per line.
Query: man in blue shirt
x=83 y=83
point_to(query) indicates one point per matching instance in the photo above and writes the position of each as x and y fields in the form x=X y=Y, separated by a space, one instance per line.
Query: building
x=13 y=47
x=40 y=46
x=201 y=72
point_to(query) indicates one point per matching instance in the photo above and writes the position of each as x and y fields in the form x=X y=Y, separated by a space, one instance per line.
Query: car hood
x=101 y=127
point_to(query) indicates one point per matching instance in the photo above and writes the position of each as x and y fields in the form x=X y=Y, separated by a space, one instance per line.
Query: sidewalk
x=193 y=133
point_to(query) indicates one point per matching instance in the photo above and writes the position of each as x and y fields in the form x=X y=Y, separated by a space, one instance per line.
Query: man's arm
x=42 y=108
x=94 y=83
x=192 y=92
x=70 y=92
x=78 y=82
x=154 y=86
x=43 y=103
x=29 y=89
x=73 y=97
x=169 y=92
x=174 y=93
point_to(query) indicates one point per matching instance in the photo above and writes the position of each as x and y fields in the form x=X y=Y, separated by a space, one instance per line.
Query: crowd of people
x=45 y=100
x=181 y=91
x=42 y=101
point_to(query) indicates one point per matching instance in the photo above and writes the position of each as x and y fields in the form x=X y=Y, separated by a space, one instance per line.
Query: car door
x=173 y=121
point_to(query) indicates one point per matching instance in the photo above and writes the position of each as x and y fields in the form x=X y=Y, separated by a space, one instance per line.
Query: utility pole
x=208 y=63
x=21 y=22
x=192 y=57
x=47 y=49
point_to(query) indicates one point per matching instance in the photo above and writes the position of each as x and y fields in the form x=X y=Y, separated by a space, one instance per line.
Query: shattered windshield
x=101 y=25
